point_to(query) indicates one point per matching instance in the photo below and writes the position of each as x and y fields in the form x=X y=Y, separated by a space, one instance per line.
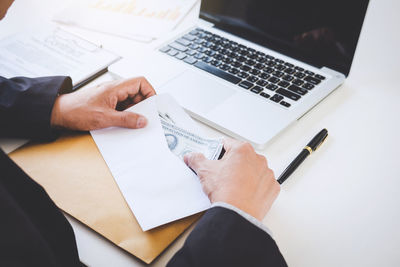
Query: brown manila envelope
x=76 y=177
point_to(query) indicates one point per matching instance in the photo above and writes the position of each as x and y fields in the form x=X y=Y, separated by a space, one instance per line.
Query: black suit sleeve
x=26 y=105
x=224 y=238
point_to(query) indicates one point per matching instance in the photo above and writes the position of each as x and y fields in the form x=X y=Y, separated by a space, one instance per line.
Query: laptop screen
x=318 y=32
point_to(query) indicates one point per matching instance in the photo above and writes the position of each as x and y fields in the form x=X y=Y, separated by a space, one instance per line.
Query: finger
x=138 y=98
x=229 y=144
x=195 y=161
x=146 y=89
x=135 y=86
x=124 y=104
x=126 y=119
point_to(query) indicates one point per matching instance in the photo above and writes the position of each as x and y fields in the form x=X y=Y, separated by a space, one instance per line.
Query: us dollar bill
x=182 y=142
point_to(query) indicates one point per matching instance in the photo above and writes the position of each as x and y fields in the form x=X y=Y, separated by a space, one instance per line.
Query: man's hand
x=241 y=178
x=102 y=106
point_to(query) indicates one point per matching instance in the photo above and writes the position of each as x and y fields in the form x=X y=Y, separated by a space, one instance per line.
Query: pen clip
x=323 y=140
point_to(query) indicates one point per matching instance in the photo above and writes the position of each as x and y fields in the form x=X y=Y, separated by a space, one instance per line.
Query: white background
x=342 y=206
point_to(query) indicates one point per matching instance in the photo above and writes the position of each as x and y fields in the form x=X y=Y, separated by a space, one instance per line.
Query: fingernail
x=186 y=158
x=141 y=122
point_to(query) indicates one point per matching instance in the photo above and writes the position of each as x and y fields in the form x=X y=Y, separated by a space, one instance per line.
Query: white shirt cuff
x=245 y=215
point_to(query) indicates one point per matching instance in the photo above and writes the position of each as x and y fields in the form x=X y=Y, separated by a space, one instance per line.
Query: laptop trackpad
x=197 y=92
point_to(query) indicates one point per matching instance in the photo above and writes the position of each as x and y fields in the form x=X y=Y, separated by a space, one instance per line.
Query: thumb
x=195 y=161
x=127 y=119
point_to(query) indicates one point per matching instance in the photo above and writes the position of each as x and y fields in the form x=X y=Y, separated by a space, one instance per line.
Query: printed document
x=157 y=185
x=50 y=51
x=142 y=20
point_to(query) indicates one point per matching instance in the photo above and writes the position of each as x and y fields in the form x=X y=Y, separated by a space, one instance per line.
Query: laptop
x=250 y=68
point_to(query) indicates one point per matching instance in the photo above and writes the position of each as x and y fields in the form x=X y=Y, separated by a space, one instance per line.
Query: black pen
x=312 y=146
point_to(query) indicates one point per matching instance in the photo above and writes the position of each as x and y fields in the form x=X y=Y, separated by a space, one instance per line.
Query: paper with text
x=158 y=186
x=50 y=51
x=142 y=20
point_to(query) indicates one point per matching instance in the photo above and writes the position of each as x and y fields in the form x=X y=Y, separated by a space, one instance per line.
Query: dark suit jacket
x=33 y=232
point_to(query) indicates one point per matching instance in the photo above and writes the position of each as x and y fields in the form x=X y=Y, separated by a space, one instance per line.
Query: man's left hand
x=102 y=106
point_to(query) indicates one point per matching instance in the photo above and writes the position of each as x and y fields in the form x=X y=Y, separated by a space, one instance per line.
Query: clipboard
x=74 y=174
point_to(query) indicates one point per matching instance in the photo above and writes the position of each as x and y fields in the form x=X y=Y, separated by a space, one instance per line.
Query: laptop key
x=319 y=77
x=274 y=80
x=233 y=71
x=262 y=59
x=217 y=72
x=241 y=59
x=298 y=82
x=227 y=60
x=190 y=60
x=287 y=78
x=256 y=89
x=172 y=52
x=308 y=86
x=252 y=56
x=283 y=84
x=207 y=59
x=236 y=64
x=289 y=71
x=288 y=94
x=199 y=55
x=265 y=95
x=180 y=56
x=312 y=80
x=250 y=62
x=218 y=57
x=300 y=75
x=190 y=37
x=194 y=46
x=254 y=71
x=280 y=67
x=210 y=53
x=271 y=87
x=262 y=83
x=252 y=79
x=277 y=74
x=264 y=75
x=276 y=98
x=269 y=70
x=246 y=84
x=224 y=67
x=270 y=63
x=309 y=72
x=215 y=63
x=183 y=41
x=179 y=47
x=201 y=49
x=259 y=66
x=245 y=68
x=297 y=90
x=191 y=52
x=165 y=49
x=285 y=104
x=243 y=75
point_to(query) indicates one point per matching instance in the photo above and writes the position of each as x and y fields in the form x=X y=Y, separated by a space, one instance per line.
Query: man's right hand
x=241 y=178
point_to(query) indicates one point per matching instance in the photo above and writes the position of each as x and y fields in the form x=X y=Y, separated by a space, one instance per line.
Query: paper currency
x=182 y=142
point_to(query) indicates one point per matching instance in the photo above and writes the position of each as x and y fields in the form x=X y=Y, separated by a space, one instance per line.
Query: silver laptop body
x=279 y=88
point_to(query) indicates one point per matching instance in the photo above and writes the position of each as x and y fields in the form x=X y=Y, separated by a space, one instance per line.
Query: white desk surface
x=342 y=206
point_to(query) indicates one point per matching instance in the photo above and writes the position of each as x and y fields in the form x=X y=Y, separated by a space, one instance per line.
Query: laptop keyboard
x=262 y=74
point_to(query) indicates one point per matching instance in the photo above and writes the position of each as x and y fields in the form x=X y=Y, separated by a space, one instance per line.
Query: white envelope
x=158 y=187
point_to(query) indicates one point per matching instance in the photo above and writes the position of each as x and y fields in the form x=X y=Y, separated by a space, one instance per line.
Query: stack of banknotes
x=181 y=141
